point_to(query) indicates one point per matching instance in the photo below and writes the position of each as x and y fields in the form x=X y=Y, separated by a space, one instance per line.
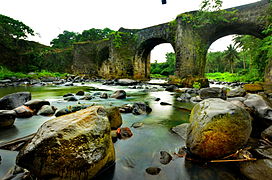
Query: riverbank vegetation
x=6 y=73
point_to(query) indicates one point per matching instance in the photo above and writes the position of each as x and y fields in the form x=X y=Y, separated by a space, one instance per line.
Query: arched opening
x=235 y=58
x=103 y=55
x=154 y=51
x=163 y=60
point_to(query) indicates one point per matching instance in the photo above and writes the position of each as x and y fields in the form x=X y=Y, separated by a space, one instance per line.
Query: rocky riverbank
x=222 y=122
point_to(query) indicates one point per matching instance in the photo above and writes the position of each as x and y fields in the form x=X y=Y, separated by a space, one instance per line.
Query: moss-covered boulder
x=217 y=128
x=115 y=117
x=73 y=146
x=253 y=87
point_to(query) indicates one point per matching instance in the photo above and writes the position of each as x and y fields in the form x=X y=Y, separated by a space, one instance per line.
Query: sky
x=49 y=18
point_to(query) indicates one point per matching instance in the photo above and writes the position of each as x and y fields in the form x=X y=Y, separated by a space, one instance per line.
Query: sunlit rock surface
x=217 y=128
x=73 y=146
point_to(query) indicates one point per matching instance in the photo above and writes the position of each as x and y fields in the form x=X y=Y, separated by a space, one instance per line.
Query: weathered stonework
x=131 y=58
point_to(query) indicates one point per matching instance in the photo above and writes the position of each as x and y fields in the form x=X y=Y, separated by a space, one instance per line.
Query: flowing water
x=137 y=153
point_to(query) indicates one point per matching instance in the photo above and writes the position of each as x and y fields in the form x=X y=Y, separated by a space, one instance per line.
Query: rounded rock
x=217 y=128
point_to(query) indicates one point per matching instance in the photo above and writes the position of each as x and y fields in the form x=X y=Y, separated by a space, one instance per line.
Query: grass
x=158 y=76
x=6 y=73
x=235 y=77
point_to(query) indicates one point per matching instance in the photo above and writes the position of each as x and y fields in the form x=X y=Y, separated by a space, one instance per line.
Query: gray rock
x=242 y=99
x=14 y=100
x=68 y=84
x=140 y=108
x=217 y=128
x=267 y=133
x=120 y=94
x=79 y=143
x=104 y=96
x=213 y=92
x=165 y=157
x=7 y=118
x=87 y=97
x=80 y=93
x=185 y=97
x=126 y=82
x=171 y=88
x=262 y=108
x=36 y=104
x=47 y=110
x=165 y=104
x=68 y=94
x=181 y=130
x=265 y=152
x=237 y=92
x=257 y=170
x=127 y=108
x=196 y=99
x=153 y=170
x=63 y=111
x=71 y=98
x=5 y=81
x=137 y=124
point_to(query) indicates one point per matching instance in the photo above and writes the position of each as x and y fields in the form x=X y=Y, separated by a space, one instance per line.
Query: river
x=137 y=153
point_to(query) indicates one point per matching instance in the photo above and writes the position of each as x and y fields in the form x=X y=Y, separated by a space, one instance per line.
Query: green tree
x=64 y=40
x=231 y=55
x=12 y=30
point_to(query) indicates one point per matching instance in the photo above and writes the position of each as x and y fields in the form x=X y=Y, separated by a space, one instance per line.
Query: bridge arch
x=142 y=57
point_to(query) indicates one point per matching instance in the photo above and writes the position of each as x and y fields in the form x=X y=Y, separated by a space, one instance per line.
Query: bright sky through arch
x=51 y=17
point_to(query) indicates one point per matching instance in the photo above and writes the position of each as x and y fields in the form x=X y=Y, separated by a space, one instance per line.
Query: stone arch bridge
x=127 y=53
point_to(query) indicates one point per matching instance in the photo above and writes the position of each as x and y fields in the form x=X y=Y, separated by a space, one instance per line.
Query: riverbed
x=137 y=153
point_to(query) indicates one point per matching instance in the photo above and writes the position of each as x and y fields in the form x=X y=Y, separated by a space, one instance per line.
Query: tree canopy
x=12 y=30
x=67 y=38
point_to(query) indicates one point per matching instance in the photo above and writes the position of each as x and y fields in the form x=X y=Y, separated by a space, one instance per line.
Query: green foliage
x=167 y=68
x=235 y=77
x=67 y=38
x=50 y=59
x=12 y=30
x=122 y=38
x=197 y=85
x=6 y=73
x=157 y=76
x=64 y=40
x=208 y=14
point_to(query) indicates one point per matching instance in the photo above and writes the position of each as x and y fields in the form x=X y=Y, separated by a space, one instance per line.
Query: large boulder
x=217 y=128
x=214 y=92
x=7 y=118
x=14 y=100
x=115 y=117
x=36 y=104
x=261 y=106
x=74 y=146
x=120 y=94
